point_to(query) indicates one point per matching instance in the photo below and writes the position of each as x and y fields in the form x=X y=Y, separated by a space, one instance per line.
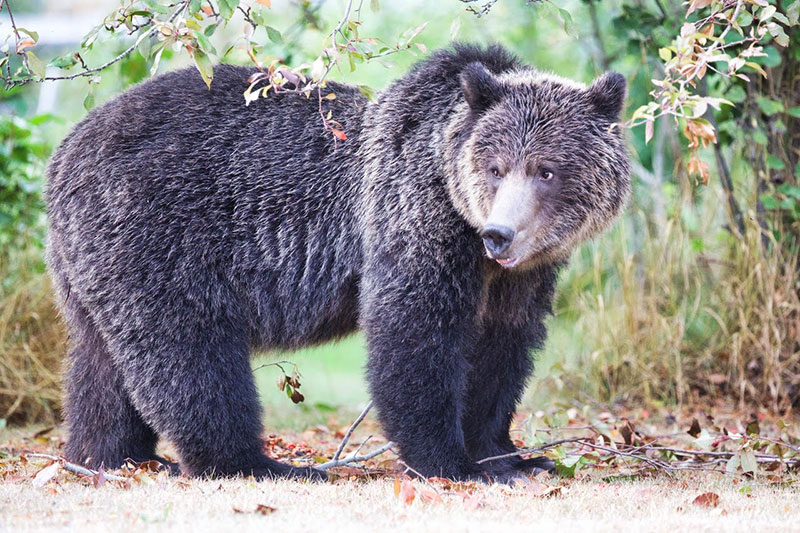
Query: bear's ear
x=607 y=95
x=481 y=88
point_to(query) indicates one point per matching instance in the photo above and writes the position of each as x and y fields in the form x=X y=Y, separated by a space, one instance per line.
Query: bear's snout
x=497 y=239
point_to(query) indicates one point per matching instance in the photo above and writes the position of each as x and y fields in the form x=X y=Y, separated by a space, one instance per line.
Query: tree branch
x=87 y=72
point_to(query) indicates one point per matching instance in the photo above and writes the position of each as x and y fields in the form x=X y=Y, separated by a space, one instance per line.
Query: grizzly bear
x=188 y=230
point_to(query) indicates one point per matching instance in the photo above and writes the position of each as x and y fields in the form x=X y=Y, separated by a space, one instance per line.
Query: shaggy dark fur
x=187 y=230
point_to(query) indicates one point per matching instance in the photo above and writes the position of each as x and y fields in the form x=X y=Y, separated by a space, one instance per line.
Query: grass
x=32 y=347
x=332 y=380
x=594 y=501
x=589 y=505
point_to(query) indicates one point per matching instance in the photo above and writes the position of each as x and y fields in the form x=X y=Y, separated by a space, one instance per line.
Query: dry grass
x=667 y=314
x=583 y=505
x=33 y=344
x=604 y=497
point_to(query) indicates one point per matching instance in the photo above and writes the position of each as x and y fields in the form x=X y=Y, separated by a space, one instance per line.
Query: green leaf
x=789 y=190
x=274 y=35
x=368 y=91
x=769 y=202
x=794 y=111
x=209 y=31
x=227 y=7
x=65 y=61
x=374 y=5
x=769 y=106
x=665 y=54
x=88 y=102
x=566 y=18
x=203 y=64
x=32 y=34
x=37 y=65
x=155 y=6
x=775 y=163
x=204 y=43
x=89 y=38
x=736 y=94
x=793 y=12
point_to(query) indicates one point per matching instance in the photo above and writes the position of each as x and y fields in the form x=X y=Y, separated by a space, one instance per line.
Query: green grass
x=334 y=384
x=332 y=381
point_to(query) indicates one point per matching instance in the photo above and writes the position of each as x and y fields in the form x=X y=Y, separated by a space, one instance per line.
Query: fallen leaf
x=694 y=430
x=473 y=502
x=542 y=490
x=99 y=479
x=627 y=431
x=707 y=499
x=46 y=474
x=260 y=509
x=407 y=492
x=429 y=495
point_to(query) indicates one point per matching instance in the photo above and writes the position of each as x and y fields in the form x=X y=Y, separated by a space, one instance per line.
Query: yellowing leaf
x=267 y=3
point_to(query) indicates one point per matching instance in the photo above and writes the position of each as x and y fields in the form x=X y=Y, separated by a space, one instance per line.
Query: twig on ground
x=350 y=430
x=354 y=457
x=527 y=451
x=76 y=469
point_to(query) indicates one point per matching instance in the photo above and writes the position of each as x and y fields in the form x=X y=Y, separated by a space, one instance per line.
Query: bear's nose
x=497 y=239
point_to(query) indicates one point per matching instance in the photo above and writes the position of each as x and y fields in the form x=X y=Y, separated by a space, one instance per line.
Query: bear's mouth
x=508 y=262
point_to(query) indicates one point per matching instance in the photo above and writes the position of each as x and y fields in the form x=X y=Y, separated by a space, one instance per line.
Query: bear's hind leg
x=104 y=429
x=200 y=395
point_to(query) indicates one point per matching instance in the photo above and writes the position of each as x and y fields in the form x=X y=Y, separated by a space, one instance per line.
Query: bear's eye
x=546 y=175
x=494 y=171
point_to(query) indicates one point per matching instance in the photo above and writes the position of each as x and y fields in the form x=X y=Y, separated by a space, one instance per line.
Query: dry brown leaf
x=429 y=496
x=260 y=509
x=407 y=492
x=707 y=499
x=542 y=490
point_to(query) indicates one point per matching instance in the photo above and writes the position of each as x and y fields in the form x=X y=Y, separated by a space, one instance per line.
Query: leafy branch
x=189 y=25
x=701 y=47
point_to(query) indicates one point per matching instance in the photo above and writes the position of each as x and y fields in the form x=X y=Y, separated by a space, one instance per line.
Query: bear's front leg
x=500 y=366
x=419 y=320
x=512 y=325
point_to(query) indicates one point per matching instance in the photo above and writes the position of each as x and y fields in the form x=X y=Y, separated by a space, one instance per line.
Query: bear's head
x=537 y=163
